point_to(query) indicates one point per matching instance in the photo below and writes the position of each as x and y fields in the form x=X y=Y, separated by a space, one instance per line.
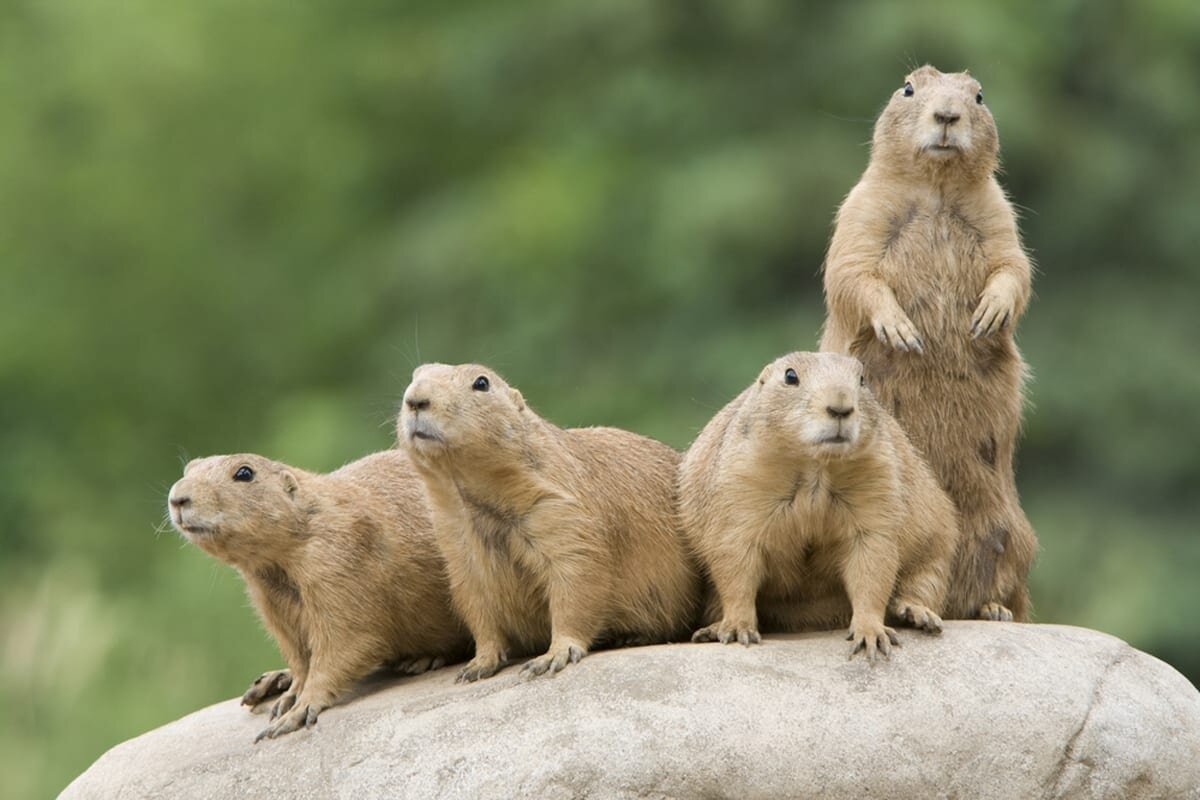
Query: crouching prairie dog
x=554 y=539
x=925 y=280
x=811 y=509
x=342 y=568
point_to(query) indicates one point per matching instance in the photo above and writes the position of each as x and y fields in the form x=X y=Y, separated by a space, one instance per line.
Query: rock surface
x=986 y=710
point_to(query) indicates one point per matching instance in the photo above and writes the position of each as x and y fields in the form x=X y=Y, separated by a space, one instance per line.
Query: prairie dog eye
x=243 y=474
x=862 y=380
x=791 y=378
x=481 y=384
x=979 y=97
x=908 y=90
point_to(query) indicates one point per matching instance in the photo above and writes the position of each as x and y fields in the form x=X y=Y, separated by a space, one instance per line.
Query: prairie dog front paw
x=555 y=659
x=896 y=329
x=727 y=631
x=483 y=665
x=302 y=715
x=995 y=310
x=872 y=637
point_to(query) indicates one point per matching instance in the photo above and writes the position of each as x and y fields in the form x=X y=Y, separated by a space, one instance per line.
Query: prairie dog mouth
x=423 y=431
x=190 y=527
x=830 y=439
x=836 y=442
x=837 y=437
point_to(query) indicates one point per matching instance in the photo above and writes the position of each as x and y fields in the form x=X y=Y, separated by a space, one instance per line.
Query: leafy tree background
x=231 y=226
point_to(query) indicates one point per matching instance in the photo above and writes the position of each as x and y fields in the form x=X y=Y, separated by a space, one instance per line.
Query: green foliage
x=234 y=226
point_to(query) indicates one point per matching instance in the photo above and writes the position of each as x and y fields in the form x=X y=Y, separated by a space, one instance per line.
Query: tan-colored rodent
x=925 y=280
x=341 y=567
x=554 y=539
x=812 y=510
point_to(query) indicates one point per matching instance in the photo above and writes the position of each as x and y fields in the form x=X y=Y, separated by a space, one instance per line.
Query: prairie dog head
x=463 y=410
x=812 y=402
x=937 y=122
x=235 y=507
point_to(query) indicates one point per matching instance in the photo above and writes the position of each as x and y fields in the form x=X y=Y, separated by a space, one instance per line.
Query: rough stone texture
x=986 y=710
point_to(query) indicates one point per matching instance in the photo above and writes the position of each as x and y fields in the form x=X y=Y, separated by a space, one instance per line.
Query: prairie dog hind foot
x=266 y=686
x=995 y=612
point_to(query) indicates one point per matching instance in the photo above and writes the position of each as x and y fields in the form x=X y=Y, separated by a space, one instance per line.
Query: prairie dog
x=554 y=539
x=342 y=568
x=925 y=280
x=811 y=509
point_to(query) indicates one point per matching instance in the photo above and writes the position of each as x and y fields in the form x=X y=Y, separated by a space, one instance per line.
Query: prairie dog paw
x=284 y=703
x=727 y=631
x=918 y=616
x=897 y=330
x=484 y=665
x=554 y=659
x=873 y=638
x=994 y=311
x=302 y=715
x=415 y=666
x=267 y=685
x=995 y=612
x=628 y=640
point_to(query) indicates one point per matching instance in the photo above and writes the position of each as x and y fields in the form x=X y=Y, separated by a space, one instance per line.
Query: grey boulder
x=986 y=710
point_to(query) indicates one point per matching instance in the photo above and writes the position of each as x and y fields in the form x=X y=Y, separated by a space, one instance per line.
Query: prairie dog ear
x=290 y=484
x=766 y=373
x=517 y=398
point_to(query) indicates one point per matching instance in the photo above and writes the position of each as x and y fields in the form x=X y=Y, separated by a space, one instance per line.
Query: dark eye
x=979 y=97
x=244 y=474
x=862 y=380
x=481 y=384
x=908 y=90
x=790 y=377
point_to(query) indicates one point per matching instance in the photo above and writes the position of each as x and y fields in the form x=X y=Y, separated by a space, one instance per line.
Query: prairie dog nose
x=416 y=403
x=840 y=410
x=946 y=117
x=178 y=501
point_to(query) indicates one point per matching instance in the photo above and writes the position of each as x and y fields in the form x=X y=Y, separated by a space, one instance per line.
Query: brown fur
x=925 y=280
x=800 y=529
x=342 y=568
x=553 y=538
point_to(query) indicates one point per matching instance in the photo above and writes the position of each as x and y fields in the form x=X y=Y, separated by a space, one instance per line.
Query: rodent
x=810 y=509
x=555 y=539
x=341 y=567
x=925 y=281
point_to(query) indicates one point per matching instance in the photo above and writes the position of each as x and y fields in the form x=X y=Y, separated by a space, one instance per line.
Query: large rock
x=986 y=710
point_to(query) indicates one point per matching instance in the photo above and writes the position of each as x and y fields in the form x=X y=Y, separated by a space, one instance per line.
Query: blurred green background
x=238 y=225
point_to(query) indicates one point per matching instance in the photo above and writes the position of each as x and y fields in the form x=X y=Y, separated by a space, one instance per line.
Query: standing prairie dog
x=342 y=568
x=811 y=509
x=552 y=538
x=925 y=280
